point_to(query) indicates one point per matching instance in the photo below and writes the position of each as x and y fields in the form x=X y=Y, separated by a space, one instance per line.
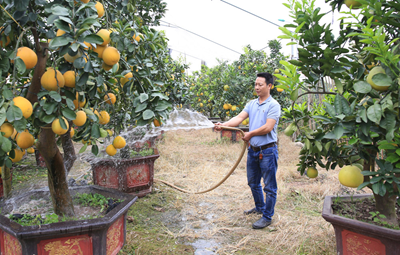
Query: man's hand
x=247 y=136
x=217 y=126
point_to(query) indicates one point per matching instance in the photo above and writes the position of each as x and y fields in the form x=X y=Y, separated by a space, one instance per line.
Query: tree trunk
x=386 y=205
x=57 y=174
x=6 y=178
x=69 y=151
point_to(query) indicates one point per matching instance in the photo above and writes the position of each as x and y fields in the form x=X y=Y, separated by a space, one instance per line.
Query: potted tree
x=356 y=125
x=69 y=71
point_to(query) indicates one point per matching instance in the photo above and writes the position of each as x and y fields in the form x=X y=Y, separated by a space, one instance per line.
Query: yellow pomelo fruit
x=110 y=133
x=100 y=9
x=226 y=107
x=110 y=150
x=105 y=34
x=25 y=140
x=110 y=98
x=28 y=56
x=156 y=123
x=7 y=129
x=279 y=89
x=233 y=108
x=353 y=3
x=312 y=172
x=5 y=42
x=351 y=176
x=289 y=130
x=106 y=67
x=226 y=87
x=25 y=106
x=119 y=142
x=80 y=119
x=70 y=58
x=49 y=80
x=60 y=32
x=72 y=132
x=102 y=89
x=104 y=117
x=85 y=1
x=136 y=37
x=99 y=50
x=30 y=150
x=69 y=79
x=126 y=78
x=88 y=46
x=18 y=155
x=276 y=71
x=81 y=103
x=56 y=126
x=111 y=56
x=14 y=134
x=374 y=71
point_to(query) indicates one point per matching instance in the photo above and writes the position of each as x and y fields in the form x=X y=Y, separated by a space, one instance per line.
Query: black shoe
x=252 y=211
x=261 y=223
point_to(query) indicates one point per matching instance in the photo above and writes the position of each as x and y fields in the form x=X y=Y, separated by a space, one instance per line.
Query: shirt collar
x=265 y=101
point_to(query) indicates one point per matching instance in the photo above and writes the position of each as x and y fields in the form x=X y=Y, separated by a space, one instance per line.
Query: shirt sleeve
x=274 y=112
x=247 y=107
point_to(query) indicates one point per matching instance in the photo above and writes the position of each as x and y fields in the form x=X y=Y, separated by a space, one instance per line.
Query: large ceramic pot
x=358 y=238
x=102 y=236
x=130 y=175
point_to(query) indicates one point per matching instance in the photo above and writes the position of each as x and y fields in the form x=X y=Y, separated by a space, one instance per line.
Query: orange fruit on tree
x=119 y=142
x=110 y=98
x=105 y=35
x=50 y=81
x=106 y=67
x=14 y=134
x=104 y=117
x=89 y=46
x=312 y=172
x=110 y=150
x=351 y=176
x=111 y=56
x=30 y=150
x=60 y=32
x=72 y=132
x=56 y=126
x=279 y=89
x=99 y=50
x=156 y=123
x=28 y=56
x=18 y=155
x=126 y=78
x=85 y=1
x=80 y=119
x=6 y=41
x=76 y=101
x=354 y=3
x=136 y=37
x=100 y=9
x=70 y=79
x=25 y=140
x=25 y=106
x=7 y=129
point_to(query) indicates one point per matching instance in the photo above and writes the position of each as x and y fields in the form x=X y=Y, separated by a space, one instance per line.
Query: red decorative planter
x=103 y=236
x=234 y=135
x=130 y=175
x=356 y=237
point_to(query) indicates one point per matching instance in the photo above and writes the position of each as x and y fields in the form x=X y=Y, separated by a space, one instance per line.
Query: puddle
x=204 y=247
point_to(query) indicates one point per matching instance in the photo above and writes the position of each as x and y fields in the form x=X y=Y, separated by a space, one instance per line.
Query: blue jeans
x=266 y=169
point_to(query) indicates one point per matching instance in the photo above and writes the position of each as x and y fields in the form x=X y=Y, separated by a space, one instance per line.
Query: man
x=262 y=157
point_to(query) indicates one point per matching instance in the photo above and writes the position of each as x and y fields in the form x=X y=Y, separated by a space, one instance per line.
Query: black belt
x=263 y=147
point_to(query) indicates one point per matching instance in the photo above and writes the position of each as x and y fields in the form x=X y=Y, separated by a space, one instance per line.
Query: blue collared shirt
x=258 y=115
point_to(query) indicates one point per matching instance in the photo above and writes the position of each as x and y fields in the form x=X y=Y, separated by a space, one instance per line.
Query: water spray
x=223 y=179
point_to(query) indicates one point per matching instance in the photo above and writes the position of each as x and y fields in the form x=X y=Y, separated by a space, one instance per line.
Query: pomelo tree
x=358 y=128
x=70 y=70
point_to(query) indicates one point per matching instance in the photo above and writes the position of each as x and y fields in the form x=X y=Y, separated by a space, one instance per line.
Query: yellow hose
x=223 y=179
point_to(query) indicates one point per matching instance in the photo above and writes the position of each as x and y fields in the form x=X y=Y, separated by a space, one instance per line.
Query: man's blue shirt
x=258 y=115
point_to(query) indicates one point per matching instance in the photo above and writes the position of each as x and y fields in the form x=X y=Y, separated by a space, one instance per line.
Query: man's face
x=261 y=87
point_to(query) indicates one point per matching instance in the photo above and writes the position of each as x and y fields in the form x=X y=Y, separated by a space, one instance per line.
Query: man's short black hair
x=267 y=76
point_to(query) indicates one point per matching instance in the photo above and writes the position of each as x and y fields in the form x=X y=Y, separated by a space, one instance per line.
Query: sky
x=191 y=25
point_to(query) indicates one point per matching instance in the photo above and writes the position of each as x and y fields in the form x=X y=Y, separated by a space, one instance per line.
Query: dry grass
x=196 y=160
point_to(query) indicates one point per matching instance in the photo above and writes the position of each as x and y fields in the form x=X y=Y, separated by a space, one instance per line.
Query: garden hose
x=223 y=179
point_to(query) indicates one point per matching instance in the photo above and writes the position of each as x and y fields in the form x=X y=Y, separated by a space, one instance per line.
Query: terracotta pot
x=356 y=237
x=130 y=175
x=102 y=236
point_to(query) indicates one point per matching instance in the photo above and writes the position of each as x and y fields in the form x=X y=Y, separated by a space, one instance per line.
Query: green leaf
x=68 y=113
x=82 y=150
x=294 y=94
x=49 y=107
x=95 y=131
x=95 y=149
x=14 y=113
x=143 y=97
x=148 y=114
x=60 y=41
x=6 y=144
x=362 y=87
x=55 y=96
x=338 y=131
x=59 y=10
x=93 y=38
x=141 y=107
x=329 y=109
x=339 y=85
x=374 y=113
x=163 y=105
x=382 y=79
x=19 y=63
x=338 y=69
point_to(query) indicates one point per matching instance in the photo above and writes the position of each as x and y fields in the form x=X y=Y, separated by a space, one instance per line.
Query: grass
x=170 y=222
